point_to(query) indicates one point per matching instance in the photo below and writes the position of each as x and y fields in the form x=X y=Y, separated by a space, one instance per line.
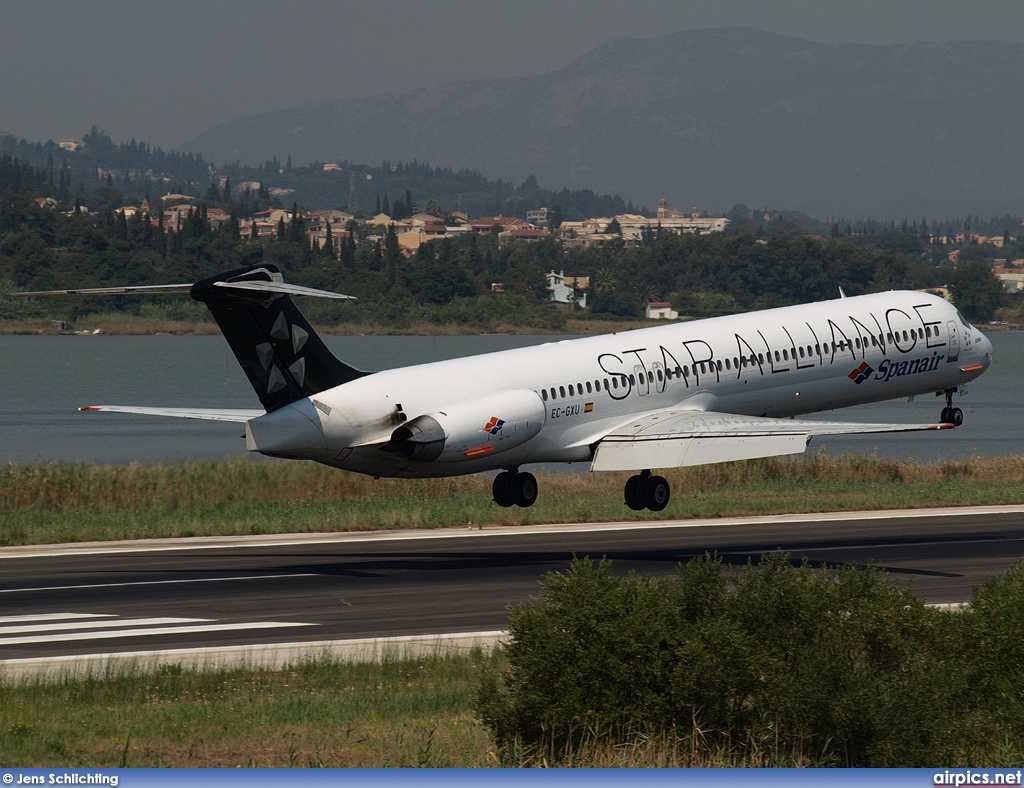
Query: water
x=46 y=378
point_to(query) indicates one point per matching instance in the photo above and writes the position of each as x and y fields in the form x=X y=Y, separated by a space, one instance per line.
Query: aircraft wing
x=207 y=414
x=676 y=438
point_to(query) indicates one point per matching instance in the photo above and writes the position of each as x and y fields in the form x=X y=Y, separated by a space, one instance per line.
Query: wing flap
x=205 y=414
x=677 y=438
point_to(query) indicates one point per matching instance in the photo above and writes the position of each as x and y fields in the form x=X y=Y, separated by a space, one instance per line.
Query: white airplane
x=693 y=393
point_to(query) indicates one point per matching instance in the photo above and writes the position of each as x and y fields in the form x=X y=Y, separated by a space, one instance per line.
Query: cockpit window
x=963 y=319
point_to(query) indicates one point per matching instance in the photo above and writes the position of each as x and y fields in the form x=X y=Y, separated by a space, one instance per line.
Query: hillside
x=714 y=116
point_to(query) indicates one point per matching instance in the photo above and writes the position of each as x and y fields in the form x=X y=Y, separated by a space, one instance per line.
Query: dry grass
x=66 y=503
x=67 y=487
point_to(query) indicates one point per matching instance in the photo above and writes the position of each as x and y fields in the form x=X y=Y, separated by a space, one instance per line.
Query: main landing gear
x=644 y=491
x=512 y=488
x=951 y=415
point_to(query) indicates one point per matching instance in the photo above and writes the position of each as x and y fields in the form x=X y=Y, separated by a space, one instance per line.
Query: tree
x=977 y=291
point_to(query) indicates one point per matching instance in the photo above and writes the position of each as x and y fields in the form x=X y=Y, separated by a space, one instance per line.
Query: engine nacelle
x=488 y=425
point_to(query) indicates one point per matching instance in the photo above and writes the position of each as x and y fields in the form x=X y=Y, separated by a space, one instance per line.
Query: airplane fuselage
x=553 y=402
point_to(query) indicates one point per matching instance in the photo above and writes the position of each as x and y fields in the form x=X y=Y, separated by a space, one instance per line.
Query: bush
x=836 y=667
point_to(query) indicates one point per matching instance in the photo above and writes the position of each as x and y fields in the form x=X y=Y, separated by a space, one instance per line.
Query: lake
x=46 y=378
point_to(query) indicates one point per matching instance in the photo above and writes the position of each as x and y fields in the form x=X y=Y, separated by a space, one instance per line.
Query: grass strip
x=396 y=713
x=52 y=503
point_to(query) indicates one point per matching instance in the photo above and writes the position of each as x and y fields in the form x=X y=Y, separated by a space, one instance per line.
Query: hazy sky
x=165 y=72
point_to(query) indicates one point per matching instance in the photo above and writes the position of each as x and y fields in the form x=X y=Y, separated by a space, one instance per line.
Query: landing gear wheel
x=947 y=416
x=656 y=493
x=501 y=489
x=524 y=489
x=634 y=493
x=957 y=417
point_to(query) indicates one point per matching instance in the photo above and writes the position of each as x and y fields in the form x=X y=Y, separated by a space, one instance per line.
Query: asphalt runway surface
x=92 y=599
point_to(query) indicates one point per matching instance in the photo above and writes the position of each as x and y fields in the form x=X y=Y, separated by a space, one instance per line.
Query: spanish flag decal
x=588 y=407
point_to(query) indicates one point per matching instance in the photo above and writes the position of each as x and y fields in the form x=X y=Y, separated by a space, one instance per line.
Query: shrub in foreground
x=822 y=667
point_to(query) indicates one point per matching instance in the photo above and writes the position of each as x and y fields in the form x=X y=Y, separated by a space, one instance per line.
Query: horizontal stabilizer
x=205 y=414
x=137 y=290
x=282 y=287
x=678 y=438
x=277 y=288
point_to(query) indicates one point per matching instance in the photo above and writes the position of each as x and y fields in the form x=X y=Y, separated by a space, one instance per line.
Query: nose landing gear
x=644 y=491
x=951 y=415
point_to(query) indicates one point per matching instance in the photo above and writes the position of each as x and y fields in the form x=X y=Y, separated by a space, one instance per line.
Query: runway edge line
x=270 y=656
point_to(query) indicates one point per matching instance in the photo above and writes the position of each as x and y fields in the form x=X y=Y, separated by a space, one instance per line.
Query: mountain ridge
x=715 y=116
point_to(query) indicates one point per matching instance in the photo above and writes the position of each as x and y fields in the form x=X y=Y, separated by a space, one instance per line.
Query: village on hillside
x=332 y=228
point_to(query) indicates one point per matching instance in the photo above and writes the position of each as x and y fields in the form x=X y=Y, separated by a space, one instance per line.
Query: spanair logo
x=861 y=373
x=494 y=425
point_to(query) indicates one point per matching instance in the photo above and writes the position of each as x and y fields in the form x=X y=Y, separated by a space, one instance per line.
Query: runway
x=65 y=600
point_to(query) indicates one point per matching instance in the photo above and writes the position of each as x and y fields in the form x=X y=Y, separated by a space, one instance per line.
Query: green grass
x=42 y=504
x=398 y=713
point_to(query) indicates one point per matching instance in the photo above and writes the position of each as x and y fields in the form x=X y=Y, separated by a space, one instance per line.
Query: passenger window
x=632 y=380
x=686 y=370
x=801 y=352
x=552 y=393
x=572 y=393
x=650 y=377
x=606 y=384
x=728 y=365
x=760 y=358
x=589 y=390
x=544 y=395
x=659 y=376
x=615 y=383
x=777 y=356
x=561 y=390
x=856 y=343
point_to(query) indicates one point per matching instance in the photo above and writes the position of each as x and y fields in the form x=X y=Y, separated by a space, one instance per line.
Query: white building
x=660 y=310
x=568 y=290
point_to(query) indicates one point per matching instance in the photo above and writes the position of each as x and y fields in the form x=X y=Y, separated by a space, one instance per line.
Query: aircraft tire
x=656 y=493
x=501 y=489
x=634 y=493
x=947 y=416
x=956 y=417
x=524 y=489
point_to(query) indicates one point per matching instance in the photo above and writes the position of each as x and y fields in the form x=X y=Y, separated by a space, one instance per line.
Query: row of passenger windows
x=616 y=382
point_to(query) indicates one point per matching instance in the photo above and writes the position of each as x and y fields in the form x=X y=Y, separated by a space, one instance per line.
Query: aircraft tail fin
x=283 y=357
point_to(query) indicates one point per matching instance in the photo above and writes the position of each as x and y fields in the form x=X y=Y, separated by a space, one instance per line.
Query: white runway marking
x=52 y=617
x=67 y=626
x=57 y=628
x=153 y=583
x=138 y=633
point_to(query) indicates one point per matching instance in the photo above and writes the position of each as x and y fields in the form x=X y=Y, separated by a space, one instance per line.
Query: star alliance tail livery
x=691 y=393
